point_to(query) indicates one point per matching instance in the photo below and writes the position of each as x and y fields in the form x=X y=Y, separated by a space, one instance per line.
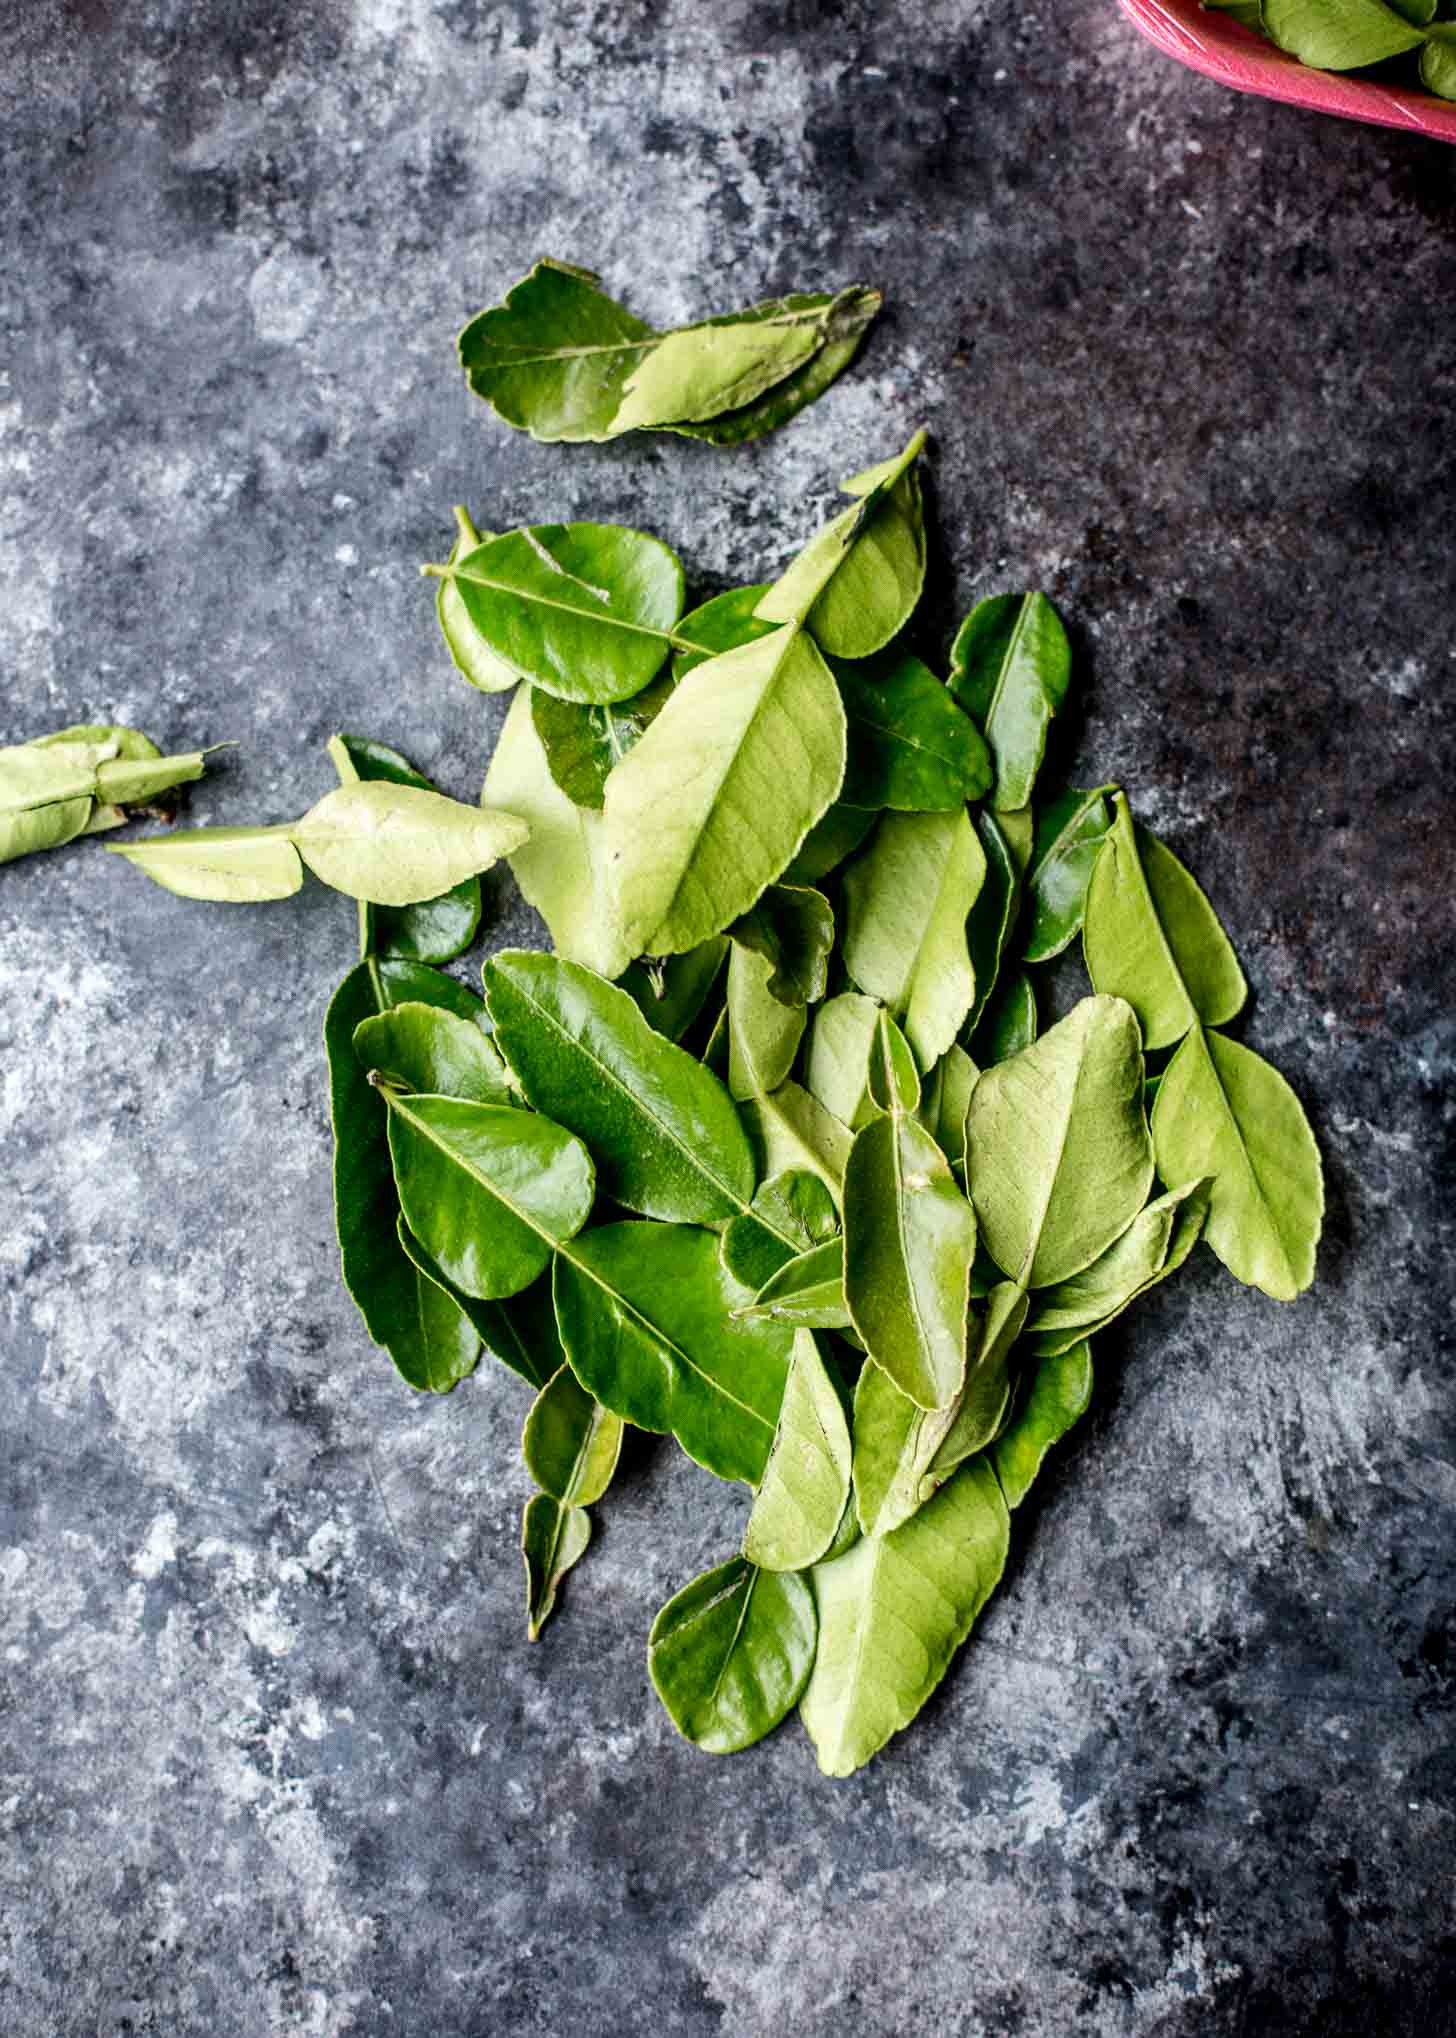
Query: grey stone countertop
x=275 y=1754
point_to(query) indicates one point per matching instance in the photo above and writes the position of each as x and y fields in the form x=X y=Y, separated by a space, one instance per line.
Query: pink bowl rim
x=1217 y=46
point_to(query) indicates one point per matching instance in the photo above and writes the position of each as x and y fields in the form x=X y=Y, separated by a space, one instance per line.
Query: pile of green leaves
x=773 y=1152
x=1349 y=35
x=562 y=360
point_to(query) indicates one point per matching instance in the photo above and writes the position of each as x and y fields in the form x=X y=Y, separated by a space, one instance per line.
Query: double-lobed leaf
x=731 y=1653
x=722 y=789
x=907 y=897
x=892 y=1613
x=1151 y=937
x=661 y=1128
x=1058 y=1155
x=646 y=1316
x=1222 y=1112
x=1010 y=668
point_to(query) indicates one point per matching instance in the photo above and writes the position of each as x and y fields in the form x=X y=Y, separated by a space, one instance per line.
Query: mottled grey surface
x=275 y=1755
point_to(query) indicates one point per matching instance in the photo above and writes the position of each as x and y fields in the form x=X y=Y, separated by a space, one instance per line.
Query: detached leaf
x=856 y=583
x=1069 y=835
x=488 y=1190
x=645 y=1312
x=731 y=1653
x=421 y=1047
x=1342 y=38
x=1060 y=1391
x=792 y=928
x=396 y=844
x=470 y=654
x=583 y=742
x=1223 y=1112
x=909 y=1235
x=553 y=357
x=789 y=1213
x=562 y=868
x=906 y=901
x=583 y=610
x=800 y=1502
x=720 y=792
x=663 y=1130
x=763 y=1035
x=425 y=1343
x=1057 y=1148
x=570 y=1445
x=893 y=1612
x=236 y=866
x=1010 y=668
x=434 y=930
x=554 y=1537
x=910 y=746
x=1152 y=937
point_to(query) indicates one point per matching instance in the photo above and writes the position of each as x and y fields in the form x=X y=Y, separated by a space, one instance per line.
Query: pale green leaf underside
x=907 y=897
x=801 y=1497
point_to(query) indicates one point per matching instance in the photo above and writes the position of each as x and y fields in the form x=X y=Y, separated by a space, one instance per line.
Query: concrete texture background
x=275 y=1755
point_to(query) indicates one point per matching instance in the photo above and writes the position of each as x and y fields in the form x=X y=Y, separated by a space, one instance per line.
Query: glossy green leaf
x=672 y=991
x=1152 y=937
x=731 y=1653
x=1059 y=1393
x=433 y=1342
x=908 y=1239
x=848 y=1032
x=1057 y=1148
x=807 y=1292
x=562 y=868
x=893 y=1612
x=991 y=918
x=1223 y=1112
x=857 y=582
x=397 y=844
x=790 y=1129
x=1010 y=668
x=1189 y=1215
x=1018 y=825
x=237 y=866
x=420 y=1047
x=1342 y=37
x=553 y=357
x=487 y=1189
x=424 y=1342
x=470 y=654
x=800 y=1502
x=554 y=1537
x=1008 y=1024
x=763 y=1035
x=584 y=740
x=907 y=896
x=845 y=323
x=722 y=624
x=646 y=1316
x=945 y=1104
x=433 y=930
x=789 y=1213
x=721 y=791
x=836 y=835
x=569 y=1443
x=519 y=1330
x=1104 y=1289
x=910 y=746
x=1068 y=839
x=583 y=610
x=662 y=1129
x=792 y=928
